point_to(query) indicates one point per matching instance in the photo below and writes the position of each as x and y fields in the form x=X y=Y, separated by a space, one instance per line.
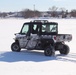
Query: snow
x=34 y=62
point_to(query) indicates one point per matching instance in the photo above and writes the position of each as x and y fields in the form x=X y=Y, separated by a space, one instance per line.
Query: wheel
x=15 y=47
x=65 y=50
x=49 y=51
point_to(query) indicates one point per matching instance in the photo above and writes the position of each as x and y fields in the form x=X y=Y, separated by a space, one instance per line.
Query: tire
x=65 y=50
x=49 y=51
x=15 y=47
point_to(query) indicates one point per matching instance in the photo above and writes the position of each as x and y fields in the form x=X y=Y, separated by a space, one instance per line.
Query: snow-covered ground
x=34 y=62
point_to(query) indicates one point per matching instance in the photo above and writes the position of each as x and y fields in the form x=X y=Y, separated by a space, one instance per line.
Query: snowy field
x=34 y=62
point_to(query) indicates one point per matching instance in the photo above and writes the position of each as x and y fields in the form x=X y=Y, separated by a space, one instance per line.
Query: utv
x=41 y=35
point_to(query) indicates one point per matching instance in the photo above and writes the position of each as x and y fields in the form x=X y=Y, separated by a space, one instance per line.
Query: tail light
x=54 y=37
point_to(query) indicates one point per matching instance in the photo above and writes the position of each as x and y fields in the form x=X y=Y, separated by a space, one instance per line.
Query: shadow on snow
x=34 y=56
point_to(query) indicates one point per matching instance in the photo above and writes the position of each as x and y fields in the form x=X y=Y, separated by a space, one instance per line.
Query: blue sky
x=42 y=5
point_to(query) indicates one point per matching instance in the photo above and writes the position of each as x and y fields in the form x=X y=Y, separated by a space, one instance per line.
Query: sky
x=41 y=5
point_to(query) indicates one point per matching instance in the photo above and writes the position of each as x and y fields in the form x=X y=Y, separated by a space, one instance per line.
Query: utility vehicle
x=41 y=35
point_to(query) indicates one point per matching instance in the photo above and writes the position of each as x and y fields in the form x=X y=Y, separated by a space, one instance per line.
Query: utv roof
x=41 y=21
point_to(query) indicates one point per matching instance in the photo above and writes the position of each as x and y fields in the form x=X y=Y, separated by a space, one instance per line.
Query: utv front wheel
x=65 y=50
x=15 y=47
x=49 y=51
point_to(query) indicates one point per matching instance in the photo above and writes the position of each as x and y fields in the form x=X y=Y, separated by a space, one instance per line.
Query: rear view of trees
x=53 y=11
x=3 y=14
x=73 y=13
x=27 y=13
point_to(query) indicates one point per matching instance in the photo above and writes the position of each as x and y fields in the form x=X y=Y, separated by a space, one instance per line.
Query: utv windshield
x=49 y=28
x=25 y=29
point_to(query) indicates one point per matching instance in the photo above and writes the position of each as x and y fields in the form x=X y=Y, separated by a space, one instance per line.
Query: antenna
x=34 y=10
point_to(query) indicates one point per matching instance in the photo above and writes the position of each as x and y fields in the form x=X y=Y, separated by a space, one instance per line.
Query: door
x=34 y=35
x=24 y=35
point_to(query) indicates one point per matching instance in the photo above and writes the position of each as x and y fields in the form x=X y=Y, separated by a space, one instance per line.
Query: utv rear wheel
x=49 y=51
x=65 y=50
x=15 y=47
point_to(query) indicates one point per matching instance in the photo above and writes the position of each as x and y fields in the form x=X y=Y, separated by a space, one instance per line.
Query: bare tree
x=63 y=10
x=73 y=13
x=53 y=11
x=27 y=13
x=3 y=14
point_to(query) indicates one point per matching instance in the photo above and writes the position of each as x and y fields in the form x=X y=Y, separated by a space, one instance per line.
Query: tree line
x=52 y=12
